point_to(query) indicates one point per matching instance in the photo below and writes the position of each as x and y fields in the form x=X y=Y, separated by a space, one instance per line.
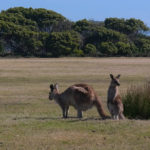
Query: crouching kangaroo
x=80 y=96
x=114 y=101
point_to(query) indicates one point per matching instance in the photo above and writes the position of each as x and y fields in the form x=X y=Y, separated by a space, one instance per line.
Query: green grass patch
x=29 y=121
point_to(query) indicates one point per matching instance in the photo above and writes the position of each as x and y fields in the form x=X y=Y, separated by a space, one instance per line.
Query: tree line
x=39 y=32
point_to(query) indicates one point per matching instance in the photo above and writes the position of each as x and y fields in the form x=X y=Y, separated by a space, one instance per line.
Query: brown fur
x=80 y=96
x=114 y=101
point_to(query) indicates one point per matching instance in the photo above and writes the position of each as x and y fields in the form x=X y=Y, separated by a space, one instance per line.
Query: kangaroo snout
x=50 y=97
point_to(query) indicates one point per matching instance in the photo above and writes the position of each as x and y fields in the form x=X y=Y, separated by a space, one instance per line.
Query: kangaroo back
x=80 y=96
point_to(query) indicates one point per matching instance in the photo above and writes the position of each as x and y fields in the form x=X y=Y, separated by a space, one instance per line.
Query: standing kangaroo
x=80 y=96
x=114 y=101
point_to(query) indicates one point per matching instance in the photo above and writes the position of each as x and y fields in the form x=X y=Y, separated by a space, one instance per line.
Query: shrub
x=77 y=53
x=123 y=48
x=2 y=51
x=90 y=50
x=137 y=102
x=108 y=48
x=63 y=43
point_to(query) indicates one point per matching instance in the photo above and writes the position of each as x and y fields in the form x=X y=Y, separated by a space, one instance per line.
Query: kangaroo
x=114 y=101
x=80 y=96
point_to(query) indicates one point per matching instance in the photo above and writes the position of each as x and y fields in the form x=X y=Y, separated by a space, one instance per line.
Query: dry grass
x=137 y=101
x=29 y=121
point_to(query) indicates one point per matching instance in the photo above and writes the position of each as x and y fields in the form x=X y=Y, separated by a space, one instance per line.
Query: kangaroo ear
x=56 y=86
x=118 y=76
x=111 y=76
x=51 y=86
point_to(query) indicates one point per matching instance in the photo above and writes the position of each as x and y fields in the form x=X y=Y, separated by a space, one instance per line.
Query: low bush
x=137 y=102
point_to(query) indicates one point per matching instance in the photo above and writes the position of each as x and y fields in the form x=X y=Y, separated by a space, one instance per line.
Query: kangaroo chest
x=112 y=93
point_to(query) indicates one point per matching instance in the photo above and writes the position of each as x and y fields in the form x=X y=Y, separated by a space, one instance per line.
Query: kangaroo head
x=115 y=80
x=53 y=91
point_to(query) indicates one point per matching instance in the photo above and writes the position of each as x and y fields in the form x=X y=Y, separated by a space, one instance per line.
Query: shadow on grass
x=69 y=119
x=36 y=118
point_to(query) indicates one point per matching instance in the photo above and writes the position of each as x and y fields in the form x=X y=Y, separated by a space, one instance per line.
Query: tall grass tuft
x=137 y=102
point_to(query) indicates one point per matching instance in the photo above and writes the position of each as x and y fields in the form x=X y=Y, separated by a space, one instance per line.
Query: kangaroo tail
x=121 y=116
x=100 y=109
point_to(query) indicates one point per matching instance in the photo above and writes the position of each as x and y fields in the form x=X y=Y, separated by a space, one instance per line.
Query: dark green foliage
x=129 y=26
x=108 y=48
x=144 y=46
x=1 y=48
x=45 y=33
x=103 y=34
x=82 y=25
x=90 y=50
x=77 y=53
x=137 y=102
x=63 y=43
x=42 y=19
x=124 y=49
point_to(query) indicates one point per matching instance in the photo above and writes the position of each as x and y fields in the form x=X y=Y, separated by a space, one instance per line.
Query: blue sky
x=90 y=9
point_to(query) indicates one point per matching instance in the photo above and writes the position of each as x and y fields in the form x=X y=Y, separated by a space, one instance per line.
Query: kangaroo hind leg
x=79 y=114
x=121 y=116
x=65 y=111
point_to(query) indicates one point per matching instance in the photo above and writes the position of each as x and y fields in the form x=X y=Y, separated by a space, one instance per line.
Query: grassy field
x=29 y=121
